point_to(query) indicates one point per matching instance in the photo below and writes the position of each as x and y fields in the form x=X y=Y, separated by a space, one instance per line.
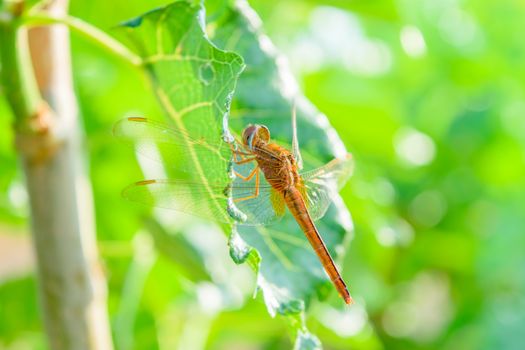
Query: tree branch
x=71 y=283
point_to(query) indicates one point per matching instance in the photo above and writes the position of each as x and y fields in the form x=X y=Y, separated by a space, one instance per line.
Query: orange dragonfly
x=247 y=197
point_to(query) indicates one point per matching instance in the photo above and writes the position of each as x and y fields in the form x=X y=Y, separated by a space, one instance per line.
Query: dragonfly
x=268 y=178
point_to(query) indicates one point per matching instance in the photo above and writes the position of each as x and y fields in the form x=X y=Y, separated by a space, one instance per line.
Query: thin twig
x=87 y=30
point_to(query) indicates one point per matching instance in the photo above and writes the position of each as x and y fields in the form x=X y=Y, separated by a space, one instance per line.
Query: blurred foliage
x=428 y=95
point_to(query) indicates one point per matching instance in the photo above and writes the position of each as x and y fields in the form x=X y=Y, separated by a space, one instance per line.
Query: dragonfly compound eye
x=263 y=133
x=248 y=133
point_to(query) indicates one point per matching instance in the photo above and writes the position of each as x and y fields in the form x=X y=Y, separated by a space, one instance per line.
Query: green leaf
x=194 y=82
x=289 y=273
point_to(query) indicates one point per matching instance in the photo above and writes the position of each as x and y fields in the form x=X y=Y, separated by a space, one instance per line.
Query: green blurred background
x=428 y=95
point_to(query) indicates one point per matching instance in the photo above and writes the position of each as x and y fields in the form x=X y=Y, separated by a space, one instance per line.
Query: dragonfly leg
x=244 y=160
x=256 y=193
x=238 y=154
x=250 y=175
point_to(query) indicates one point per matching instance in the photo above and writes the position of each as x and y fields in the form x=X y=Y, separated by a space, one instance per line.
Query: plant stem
x=71 y=286
x=17 y=76
x=90 y=32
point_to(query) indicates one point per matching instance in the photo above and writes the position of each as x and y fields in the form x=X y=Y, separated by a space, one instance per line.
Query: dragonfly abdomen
x=297 y=207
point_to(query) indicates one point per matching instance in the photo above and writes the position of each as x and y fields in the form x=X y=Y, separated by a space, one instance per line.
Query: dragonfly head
x=254 y=134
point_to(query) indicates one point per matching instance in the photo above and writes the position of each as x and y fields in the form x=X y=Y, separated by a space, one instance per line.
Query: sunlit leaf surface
x=290 y=272
x=194 y=82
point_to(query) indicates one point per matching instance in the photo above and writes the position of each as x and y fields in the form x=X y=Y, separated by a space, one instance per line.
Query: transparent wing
x=171 y=146
x=208 y=201
x=295 y=141
x=322 y=183
x=266 y=208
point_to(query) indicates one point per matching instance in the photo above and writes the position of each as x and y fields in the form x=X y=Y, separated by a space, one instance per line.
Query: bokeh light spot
x=347 y=322
x=428 y=208
x=413 y=147
x=423 y=310
x=413 y=42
